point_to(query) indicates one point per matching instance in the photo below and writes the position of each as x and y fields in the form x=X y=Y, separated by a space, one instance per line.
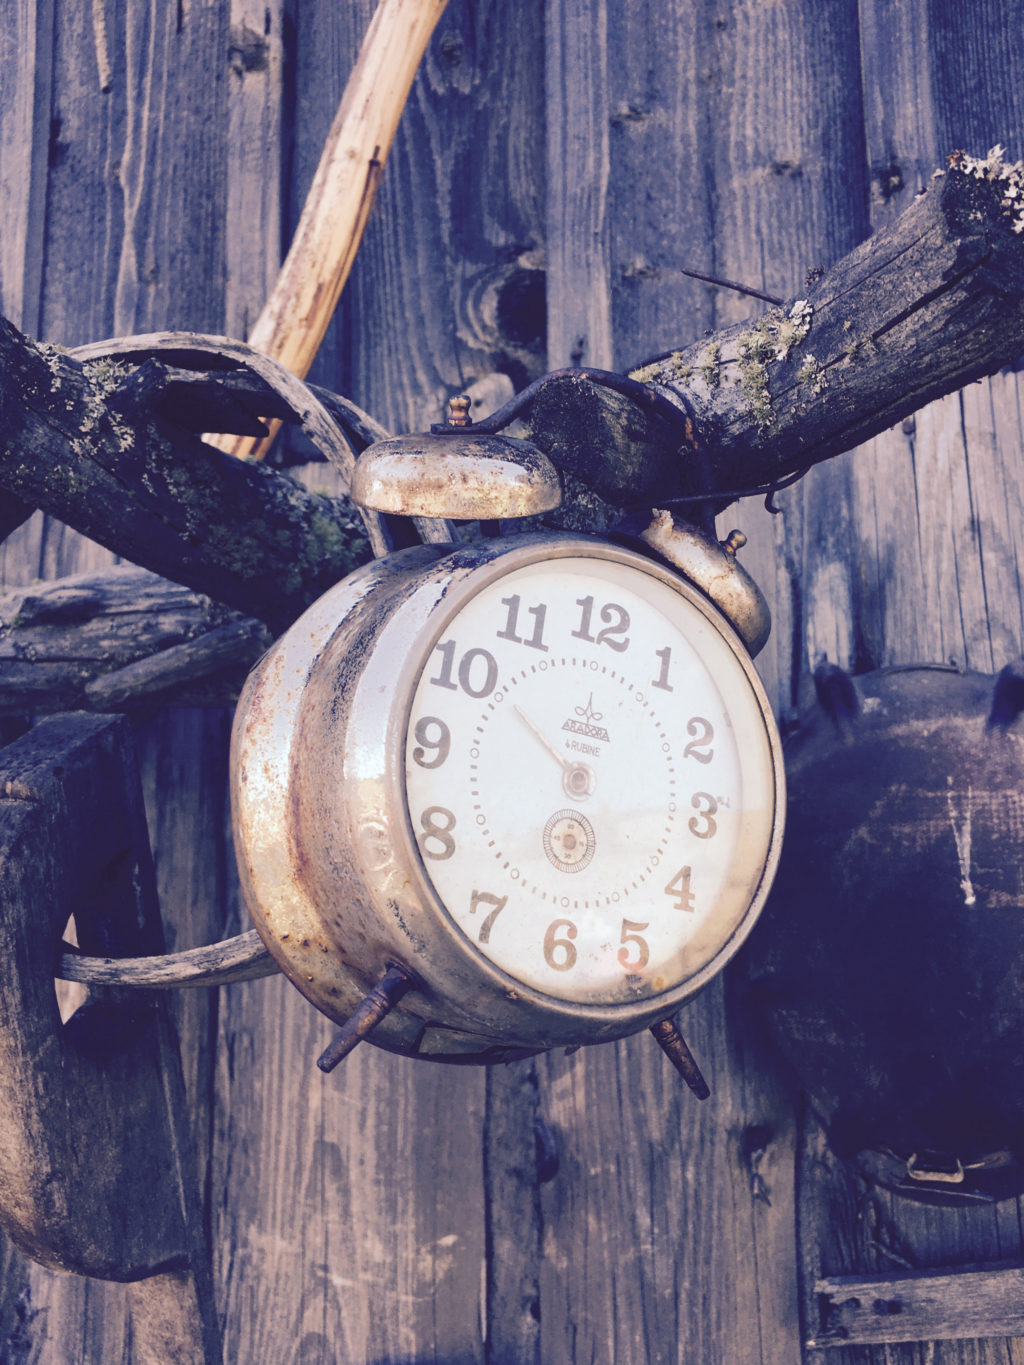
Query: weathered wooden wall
x=152 y=161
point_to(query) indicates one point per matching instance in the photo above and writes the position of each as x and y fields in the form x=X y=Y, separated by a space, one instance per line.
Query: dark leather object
x=889 y=960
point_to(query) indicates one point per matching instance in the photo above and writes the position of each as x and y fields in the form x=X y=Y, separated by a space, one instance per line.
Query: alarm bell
x=457 y=473
x=713 y=567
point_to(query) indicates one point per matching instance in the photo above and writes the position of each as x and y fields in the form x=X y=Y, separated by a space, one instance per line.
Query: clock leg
x=367 y=1015
x=673 y=1044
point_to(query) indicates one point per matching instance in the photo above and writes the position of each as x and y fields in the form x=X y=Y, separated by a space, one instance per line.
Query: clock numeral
x=679 y=887
x=616 y=617
x=665 y=655
x=497 y=903
x=511 y=631
x=700 y=746
x=703 y=823
x=631 y=934
x=438 y=824
x=441 y=744
x=559 y=952
x=465 y=671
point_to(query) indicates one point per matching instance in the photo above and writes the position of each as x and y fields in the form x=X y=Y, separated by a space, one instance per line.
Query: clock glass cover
x=589 y=779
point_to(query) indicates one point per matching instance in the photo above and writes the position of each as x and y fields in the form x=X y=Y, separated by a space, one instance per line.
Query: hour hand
x=577 y=778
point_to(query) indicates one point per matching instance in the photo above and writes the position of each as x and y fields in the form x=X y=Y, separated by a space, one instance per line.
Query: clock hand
x=551 y=748
x=577 y=778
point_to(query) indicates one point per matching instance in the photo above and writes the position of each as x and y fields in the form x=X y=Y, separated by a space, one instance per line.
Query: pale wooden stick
x=295 y=318
x=242 y=958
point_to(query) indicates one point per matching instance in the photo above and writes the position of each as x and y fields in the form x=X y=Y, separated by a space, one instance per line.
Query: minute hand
x=551 y=747
x=577 y=778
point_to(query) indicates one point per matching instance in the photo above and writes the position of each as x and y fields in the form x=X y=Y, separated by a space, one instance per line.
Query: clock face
x=589 y=779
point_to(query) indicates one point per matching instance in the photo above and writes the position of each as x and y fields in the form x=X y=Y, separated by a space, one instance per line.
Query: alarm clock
x=494 y=797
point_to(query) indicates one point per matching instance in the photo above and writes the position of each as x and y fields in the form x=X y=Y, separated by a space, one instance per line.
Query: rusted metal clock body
x=538 y=774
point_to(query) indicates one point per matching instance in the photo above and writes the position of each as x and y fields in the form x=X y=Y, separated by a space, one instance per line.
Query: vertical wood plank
x=661 y=107
x=183 y=765
x=365 y=1239
x=579 y=287
x=138 y=155
x=26 y=45
x=667 y=1230
x=255 y=140
x=26 y=76
x=520 y=1155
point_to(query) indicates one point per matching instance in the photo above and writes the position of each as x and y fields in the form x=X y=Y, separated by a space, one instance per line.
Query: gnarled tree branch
x=933 y=301
x=90 y=444
x=928 y=304
x=925 y=306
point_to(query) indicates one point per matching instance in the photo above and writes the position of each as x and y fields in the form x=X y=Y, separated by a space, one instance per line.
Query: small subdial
x=569 y=841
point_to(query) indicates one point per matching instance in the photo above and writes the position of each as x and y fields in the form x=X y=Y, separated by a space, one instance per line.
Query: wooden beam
x=117 y=640
x=933 y=1305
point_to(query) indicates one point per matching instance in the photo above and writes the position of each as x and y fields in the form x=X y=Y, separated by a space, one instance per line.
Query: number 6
x=553 y=942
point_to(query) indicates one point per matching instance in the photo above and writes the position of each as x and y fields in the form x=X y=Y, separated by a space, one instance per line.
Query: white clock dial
x=589 y=780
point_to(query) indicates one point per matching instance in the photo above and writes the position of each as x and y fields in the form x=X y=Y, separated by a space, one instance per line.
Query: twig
x=732 y=284
x=296 y=316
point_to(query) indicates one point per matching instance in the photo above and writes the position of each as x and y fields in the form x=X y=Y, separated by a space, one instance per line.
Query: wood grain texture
x=138 y=145
x=26 y=74
x=368 y=1242
x=579 y=287
x=662 y=163
x=26 y=47
x=295 y=316
x=301 y=303
x=667 y=1230
x=255 y=166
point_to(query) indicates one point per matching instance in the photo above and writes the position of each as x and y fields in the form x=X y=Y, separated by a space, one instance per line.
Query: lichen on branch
x=932 y=301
